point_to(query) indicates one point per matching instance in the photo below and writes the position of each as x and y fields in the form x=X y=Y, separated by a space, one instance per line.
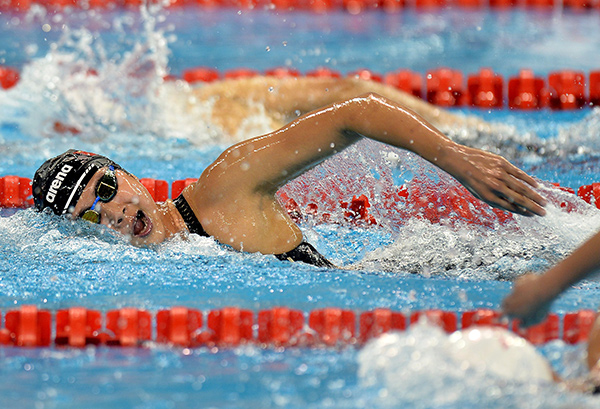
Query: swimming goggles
x=105 y=191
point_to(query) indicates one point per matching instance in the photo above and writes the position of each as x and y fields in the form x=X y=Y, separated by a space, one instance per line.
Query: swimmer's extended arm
x=268 y=162
x=532 y=294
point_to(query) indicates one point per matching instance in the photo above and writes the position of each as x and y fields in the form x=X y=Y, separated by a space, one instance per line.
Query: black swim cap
x=59 y=182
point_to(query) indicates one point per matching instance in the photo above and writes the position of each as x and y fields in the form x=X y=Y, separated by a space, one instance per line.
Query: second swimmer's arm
x=291 y=97
x=532 y=293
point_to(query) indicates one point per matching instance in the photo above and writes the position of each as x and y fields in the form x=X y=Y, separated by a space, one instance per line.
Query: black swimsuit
x=304 y=252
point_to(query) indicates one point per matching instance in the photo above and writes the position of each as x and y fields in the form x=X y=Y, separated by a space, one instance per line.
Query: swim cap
x=59 y=182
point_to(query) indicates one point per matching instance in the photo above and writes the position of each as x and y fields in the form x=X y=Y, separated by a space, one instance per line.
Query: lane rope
x=444 y=87
x=317 y=6
x=421 y=200
x=29 y=326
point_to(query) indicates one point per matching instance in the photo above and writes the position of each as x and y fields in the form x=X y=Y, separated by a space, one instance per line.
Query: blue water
x=405 y=265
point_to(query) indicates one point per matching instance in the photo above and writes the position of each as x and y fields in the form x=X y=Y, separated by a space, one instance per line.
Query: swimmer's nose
x=116 y=217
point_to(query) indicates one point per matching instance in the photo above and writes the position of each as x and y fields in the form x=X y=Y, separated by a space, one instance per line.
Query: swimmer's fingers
x=518 y=198
x=538 y=316
x=526 y=197
x=520 y=174
x=499 y=195
x=527 y=302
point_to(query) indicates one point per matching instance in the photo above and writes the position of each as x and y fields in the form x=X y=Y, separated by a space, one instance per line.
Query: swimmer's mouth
x=142 y=225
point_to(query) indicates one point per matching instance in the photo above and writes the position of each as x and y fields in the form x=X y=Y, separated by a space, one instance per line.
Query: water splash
x=532 y=138
x=425 y=368
x=104 y=74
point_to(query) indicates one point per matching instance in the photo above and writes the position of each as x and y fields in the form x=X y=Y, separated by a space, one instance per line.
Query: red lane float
x=359 y=6
x=486 y=89
x=281 y=326
x=282 y=72
x=240 y=73
x=27 y=327
x=15 y=192
x=407 y=81
x=594 y=88
x=539 y=3
x=539 y=334
x=128 y=327
x=333 y=326
x=8 y=76
x=577 y=326
x=200 y=74
x=78 y=327
x=379 y=321
x=319 y=6
x=590 y=193
x=158 y=189
x=482 y=317
x=15 y=5
x=579 y=4
x=365 y=74
x=430 y=3
x=445 y=87
x=324 y=72
x=469 y=3
x=566 y=90
x=178 y=326
x=499 y=4
x=527 y=91
x=178 y=186
x=229 y=326
x=444 y=319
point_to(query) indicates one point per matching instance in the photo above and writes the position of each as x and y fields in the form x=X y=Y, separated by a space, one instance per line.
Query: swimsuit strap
x=190 y=219
x=304 y=252
x=307 y=254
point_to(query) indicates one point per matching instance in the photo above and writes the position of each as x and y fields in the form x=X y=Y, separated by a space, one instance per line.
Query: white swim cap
x=500 y=352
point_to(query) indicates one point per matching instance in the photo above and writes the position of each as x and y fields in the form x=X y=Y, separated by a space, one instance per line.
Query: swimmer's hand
x=494 y=180
x=529 y=301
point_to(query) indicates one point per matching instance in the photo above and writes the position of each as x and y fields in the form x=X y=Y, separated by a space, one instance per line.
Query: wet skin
x=235 y=197
x=132 y=212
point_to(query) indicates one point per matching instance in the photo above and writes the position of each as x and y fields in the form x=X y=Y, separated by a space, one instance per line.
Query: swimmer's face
x=132 y=211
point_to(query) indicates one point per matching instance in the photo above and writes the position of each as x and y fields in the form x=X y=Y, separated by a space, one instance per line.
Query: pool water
x=402 y=264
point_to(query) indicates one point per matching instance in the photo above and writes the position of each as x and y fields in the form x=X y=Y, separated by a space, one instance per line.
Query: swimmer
x=532 y=296
x=485 y=350
x=234 y=199
x=282 y=100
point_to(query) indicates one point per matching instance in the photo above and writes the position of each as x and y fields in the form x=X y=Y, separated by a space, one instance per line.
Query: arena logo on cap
x=57 y=182
x=84 y=153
